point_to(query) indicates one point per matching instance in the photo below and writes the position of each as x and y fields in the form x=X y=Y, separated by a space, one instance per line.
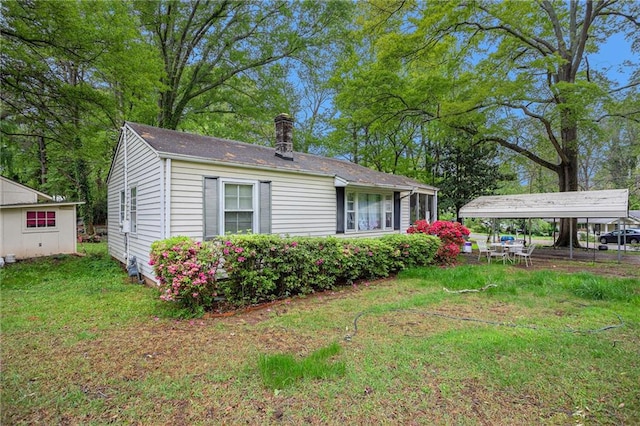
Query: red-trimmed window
x=41 y=219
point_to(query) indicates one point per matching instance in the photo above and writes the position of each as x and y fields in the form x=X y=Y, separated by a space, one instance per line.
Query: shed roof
x=612 y=203
x=182 y=145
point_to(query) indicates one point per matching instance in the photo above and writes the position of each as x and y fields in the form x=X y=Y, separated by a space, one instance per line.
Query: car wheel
x=603 y=240
x=633 y=241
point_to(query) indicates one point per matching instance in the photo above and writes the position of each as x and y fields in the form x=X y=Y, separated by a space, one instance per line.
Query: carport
x=611 y=203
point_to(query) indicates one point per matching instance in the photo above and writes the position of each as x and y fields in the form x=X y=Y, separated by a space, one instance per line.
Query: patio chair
x=526 y=255
x=499 y=254
x=483 y=249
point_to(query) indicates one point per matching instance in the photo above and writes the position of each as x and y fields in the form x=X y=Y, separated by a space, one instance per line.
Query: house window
x=134 y=210
x=388 y=211
x=41 y=219
x=420 y=207
x=122 y=206
x=238 y=208
x=351 y=211
x=368 y=212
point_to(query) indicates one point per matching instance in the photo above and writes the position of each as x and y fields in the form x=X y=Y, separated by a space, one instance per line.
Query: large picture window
x=368 y=212
x=238 y=208
x=41 y=219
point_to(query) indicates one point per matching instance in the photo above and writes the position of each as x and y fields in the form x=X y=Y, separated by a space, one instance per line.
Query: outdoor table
x=510 y=249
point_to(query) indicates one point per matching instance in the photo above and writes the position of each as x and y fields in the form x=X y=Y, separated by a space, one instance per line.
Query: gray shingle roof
x=171 y=143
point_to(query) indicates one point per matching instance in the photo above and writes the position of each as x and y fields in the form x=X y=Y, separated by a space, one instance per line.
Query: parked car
x=631 y=236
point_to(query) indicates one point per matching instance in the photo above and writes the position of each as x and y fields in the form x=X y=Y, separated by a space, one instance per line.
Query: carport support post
x=571 y=239
x=619 y=235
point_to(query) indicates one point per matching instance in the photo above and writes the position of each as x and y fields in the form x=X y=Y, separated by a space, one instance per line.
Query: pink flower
x=239 y=250
x=241 y=259
x=294 y=244
x=228 y=243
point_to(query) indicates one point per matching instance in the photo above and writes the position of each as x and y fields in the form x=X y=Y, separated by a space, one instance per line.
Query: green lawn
x=81 y=344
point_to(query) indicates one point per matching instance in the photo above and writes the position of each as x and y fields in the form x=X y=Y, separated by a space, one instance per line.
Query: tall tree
x=212 y=50
x=522 y=64
x=65 y=92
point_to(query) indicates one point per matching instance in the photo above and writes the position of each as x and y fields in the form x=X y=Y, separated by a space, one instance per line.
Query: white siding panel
x=404 y=214
x=301 y=205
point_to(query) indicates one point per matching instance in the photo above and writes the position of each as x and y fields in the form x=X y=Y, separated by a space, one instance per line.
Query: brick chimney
x=284 y=137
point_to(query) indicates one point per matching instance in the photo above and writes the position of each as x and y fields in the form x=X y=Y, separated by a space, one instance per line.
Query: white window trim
x=26 y=229
x=382 y=210
x=133 y=224
x=122 y=207
x=222 y=207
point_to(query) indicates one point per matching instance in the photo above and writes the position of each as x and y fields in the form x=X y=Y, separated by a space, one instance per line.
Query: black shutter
x=396 y=211
x=211 y=205
x=340 y=210
x=265 y=208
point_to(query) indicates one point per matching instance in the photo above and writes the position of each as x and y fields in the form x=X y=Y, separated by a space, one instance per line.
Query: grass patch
x=283 y=370
x=81 y=344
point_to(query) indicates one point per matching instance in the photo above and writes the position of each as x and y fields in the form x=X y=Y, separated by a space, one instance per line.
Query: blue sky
x=612 y=55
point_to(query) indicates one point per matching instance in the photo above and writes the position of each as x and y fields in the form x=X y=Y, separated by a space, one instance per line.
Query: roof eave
x=34 y=205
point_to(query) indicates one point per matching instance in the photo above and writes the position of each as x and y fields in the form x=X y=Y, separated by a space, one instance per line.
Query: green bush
x=261 y=268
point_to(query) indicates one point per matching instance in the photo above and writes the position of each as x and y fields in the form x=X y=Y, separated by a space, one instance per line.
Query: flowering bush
x=267 y=267
x=259 y=268
x=186 y=271
x=452 y=236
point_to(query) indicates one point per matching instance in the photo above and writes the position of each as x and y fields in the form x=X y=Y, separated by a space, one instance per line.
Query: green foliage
x=267 y=267
x=255 y=268
x=72 y=72
x=283 y=370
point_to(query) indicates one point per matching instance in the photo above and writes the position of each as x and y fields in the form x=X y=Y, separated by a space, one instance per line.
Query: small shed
x=33 y=224
x=611 y=203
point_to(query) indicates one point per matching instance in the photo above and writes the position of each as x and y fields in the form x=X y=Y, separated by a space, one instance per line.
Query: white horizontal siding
x=405 y=217
x=144 y=172
x=300 y=204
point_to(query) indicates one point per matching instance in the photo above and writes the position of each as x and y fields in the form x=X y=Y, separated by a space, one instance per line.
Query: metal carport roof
x=610 y=203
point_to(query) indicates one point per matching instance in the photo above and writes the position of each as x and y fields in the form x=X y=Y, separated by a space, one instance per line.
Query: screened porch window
x=420 y=207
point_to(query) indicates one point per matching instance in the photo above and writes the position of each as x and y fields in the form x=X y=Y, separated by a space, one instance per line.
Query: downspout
x=162 y=210
x=126 y=198
x=167 y=198
x=571 y=238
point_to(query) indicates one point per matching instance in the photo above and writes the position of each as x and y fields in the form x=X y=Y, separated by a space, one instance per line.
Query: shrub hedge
x=259 y=268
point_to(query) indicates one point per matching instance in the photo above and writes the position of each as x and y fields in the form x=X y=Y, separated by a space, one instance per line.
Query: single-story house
x=164 y=183
x=607 y=224
x=33 y=224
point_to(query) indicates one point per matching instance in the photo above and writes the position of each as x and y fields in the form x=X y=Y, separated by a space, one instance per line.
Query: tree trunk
x=568 y=179
x=42 y=156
